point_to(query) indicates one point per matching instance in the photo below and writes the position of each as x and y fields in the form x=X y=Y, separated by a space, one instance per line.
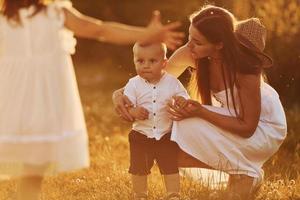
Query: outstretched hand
x=190 y=109
x=157 y=32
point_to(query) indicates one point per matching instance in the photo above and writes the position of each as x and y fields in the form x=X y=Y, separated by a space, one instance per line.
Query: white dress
x=231 y=153
x=41 y=117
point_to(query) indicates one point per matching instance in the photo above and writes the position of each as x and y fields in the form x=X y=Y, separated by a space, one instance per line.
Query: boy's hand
x=180 y=102
x=139 y=113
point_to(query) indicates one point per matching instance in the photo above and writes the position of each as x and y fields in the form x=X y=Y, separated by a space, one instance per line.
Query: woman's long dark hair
x=217 y=26
x=10 y=8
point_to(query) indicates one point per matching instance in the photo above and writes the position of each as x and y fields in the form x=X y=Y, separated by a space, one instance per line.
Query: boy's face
x=149 y=62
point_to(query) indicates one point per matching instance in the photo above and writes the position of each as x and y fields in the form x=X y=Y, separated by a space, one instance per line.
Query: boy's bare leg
x=29 y=186
x=139 y=185
x=172 y=183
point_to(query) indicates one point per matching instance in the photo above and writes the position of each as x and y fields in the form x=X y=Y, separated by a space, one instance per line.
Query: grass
x=108 y=179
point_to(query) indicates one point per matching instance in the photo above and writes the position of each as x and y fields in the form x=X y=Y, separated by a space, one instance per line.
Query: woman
x=42 y=125
x=249 y=124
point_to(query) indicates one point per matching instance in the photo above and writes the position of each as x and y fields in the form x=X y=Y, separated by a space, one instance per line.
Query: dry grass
x=107 y=178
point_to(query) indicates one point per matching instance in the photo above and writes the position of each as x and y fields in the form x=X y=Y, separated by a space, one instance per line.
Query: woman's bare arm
x=117 y=33
x=179 y=61
x=246 y=123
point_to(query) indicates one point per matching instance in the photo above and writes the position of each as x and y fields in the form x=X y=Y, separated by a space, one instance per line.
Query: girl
x=42 y=125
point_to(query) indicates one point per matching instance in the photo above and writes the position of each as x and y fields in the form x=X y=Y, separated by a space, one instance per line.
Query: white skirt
x=227 y=152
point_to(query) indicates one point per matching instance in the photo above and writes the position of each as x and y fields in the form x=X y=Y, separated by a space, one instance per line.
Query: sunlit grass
x=108 y=178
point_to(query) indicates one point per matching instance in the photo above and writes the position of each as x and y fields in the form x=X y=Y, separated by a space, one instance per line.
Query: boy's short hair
x=163 y=47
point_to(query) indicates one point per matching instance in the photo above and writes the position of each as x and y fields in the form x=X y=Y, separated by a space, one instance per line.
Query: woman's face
x=200 y=47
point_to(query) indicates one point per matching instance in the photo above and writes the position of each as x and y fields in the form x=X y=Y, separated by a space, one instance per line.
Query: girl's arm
x=117 y=33
x=245 y=124
x=179 y=61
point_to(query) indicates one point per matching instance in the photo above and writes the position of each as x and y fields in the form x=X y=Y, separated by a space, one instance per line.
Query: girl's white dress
x=231 y=153
x=41 y=117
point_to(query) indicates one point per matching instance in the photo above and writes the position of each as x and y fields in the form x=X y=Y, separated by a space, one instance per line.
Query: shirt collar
x=161 y=78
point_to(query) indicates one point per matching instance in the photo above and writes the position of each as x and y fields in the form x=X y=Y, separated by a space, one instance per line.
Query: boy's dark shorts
x=143 y=152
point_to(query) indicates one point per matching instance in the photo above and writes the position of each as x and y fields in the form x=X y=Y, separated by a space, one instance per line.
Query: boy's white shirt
x=154 y=98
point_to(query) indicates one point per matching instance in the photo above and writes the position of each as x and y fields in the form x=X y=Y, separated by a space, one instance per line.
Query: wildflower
x=78 y=180
x=292 y=182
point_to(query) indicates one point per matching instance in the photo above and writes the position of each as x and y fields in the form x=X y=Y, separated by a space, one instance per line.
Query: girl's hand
x=156 y=32
x=192 y=109
x=139 y=113
x=121 y=105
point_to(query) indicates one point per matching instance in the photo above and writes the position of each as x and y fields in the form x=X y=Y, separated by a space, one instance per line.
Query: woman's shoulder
x=182 y=56
x=252 y=84
x=179 y=61
x=247 y=81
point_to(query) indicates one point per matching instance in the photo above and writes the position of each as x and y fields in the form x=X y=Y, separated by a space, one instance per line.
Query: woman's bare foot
x=240 y=187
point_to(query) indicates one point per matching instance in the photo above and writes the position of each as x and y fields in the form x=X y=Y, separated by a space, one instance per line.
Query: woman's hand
x=139 y=113
x=191 y=109
x=179 y=101
x=157 y=32
x=121 y=105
